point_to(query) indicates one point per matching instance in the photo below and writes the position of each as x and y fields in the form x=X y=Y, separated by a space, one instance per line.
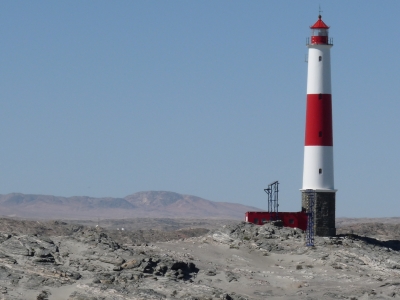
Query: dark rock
x=44 y=295
x=74 y=275
x=226 y=297
x=49 y=260
x=42 y=252
x=230 y=276
x=210 y=273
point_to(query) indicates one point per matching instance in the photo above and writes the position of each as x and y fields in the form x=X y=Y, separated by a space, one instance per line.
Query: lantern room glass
x=319 y=32
x=319 y=36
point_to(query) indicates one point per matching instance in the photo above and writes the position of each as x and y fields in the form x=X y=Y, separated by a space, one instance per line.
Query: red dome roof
x=319 y=24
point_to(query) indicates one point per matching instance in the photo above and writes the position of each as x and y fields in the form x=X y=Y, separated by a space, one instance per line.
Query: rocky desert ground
x=195 y=259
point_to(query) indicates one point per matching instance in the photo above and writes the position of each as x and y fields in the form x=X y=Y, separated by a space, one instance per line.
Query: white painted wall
x=319 y=72
x=316 y=157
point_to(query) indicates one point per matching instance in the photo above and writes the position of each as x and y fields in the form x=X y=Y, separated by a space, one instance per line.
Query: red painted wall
x=289 y=219
x=319 y=39
x=319 y=120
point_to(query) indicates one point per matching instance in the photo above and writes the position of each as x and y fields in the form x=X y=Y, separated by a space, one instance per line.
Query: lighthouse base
x=324 y=212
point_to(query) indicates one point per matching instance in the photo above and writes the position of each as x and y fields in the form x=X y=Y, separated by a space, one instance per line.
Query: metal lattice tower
x=310 y=194
x=272 y=192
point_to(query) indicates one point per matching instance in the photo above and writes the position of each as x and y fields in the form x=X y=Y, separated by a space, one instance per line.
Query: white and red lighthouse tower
x=318 y=148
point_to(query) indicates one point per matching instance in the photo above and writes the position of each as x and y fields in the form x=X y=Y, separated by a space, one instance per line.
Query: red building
x=289 y=219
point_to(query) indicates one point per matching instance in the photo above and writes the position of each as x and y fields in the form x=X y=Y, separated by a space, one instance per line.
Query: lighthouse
x=318 y=147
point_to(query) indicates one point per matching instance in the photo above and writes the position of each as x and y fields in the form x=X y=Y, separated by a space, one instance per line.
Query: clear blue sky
x=108 y=98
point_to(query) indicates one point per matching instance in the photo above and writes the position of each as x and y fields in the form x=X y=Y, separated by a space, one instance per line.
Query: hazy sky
x=109 y=98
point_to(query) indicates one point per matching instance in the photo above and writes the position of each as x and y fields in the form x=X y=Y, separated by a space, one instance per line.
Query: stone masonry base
x=324 y=212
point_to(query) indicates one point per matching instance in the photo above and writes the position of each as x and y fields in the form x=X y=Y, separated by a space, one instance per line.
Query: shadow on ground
x=392 y=244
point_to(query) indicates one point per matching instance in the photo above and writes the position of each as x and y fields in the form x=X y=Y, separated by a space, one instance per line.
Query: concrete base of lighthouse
x=324 y=212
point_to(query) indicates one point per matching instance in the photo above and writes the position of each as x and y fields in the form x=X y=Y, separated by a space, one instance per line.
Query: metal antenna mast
x=272 y=192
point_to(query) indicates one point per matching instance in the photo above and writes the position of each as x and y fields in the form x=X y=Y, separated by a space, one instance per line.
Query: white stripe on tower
x=318 y=148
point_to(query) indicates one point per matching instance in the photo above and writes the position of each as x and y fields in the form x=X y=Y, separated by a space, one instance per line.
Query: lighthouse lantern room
x=319 y=32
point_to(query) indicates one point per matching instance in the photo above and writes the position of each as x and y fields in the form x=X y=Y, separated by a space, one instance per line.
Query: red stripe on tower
x=319 y=120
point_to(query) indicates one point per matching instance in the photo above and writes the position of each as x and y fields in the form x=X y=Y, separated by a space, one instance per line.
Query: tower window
x=320 y=171
x=320 y=58
x=320 y=134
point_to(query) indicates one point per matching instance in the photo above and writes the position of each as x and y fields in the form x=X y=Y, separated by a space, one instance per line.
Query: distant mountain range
x=154 y=204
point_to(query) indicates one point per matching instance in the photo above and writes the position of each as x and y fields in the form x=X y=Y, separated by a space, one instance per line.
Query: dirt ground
x=195 y=259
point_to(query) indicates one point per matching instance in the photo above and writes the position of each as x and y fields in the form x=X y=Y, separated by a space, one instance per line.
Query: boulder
x=131 y=264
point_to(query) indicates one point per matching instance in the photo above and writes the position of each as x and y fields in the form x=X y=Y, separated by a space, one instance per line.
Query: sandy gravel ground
x=235 y=261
